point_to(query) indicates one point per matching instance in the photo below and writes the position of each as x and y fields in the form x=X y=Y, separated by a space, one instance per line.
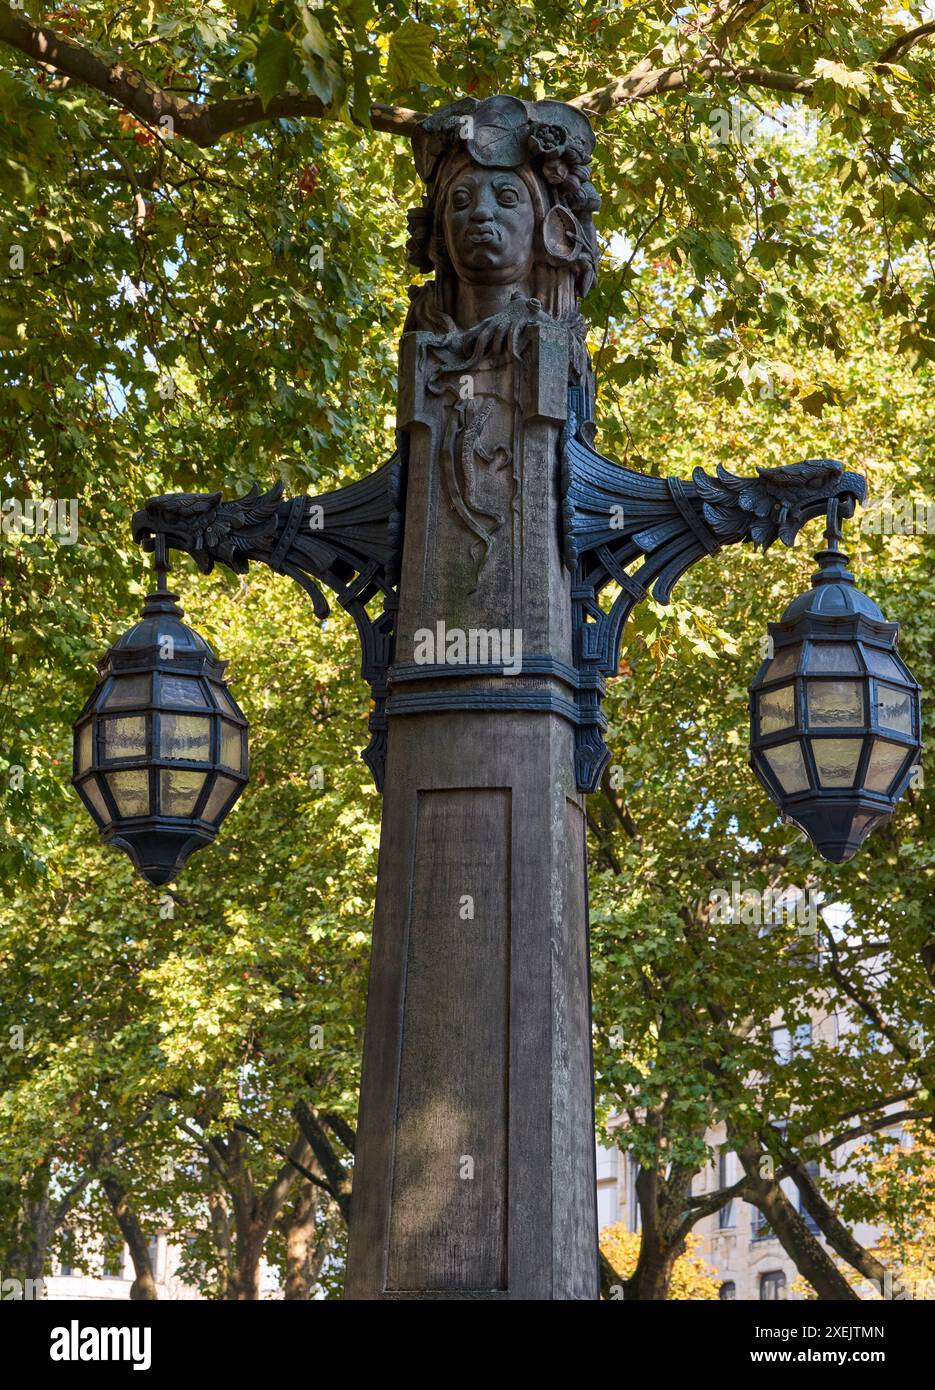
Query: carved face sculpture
x=489 y=226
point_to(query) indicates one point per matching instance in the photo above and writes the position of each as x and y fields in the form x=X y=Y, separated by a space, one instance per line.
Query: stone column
x=474 y=1173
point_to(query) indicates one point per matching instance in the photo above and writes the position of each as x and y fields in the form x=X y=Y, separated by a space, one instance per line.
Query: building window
x=728 y=1291
x=782 y=1045
x=113 y=1258
x=773 y=1285
x=725 y=1216
x=760 y=1228
x=153 y=1252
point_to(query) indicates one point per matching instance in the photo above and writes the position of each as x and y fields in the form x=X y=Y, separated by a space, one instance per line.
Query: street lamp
x=160 y=751
x=834 y=711
x=496 y=517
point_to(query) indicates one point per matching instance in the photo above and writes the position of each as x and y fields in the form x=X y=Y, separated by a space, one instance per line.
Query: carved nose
x=482 y=213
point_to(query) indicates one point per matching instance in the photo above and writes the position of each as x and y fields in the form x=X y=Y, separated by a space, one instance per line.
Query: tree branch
x=901 y=45
x=134 y=92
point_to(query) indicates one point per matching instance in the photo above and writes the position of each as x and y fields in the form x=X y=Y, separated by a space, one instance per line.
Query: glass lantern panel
x=788 y=767
x=783 y=663
x=832 y=703
x=224 y=700
x=221 y=793
x=836 y=760
x=777 y=709
x=130 y=790
x=84 y=746
x=181 y=690
x=124 y=737
x=882 y=664
x=893 y=708
x=231 y=746
x=128 y=690
x=184 y=737
x=98 y=805
x=885 y=761
x=179 y=790
x=833 y=658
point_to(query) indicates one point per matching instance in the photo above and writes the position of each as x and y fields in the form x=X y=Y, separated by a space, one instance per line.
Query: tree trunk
x=809 y=1256
x=304 y=1235
x=662 y=1203
x=245 y=1279
x=143 y=1288
x=255 y=1213
x=221 y=1237
x=38 y=1212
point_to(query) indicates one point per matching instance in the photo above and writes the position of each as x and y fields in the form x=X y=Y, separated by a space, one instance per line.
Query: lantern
x=835 y=712
x=160 y=753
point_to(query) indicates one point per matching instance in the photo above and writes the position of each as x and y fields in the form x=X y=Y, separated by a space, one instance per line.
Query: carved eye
x=461 y=198
x=507 y=196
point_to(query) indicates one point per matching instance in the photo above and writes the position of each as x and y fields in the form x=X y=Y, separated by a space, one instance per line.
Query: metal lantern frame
x=156 y=685
x=851 y=644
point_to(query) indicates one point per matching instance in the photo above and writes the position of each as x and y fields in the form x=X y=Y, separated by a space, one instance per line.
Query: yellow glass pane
x=130 y=790
x=836 y=760
x=832 y=703
x=221 y=793
x=788 y=767
x=179 y=790
x=894 y=708
x=124 y=737
x=223 y=697
x=885 y=761
x=777 y=709
x=185 y=737
x=84 y=746
x=783 y=663
x=98 y=805
x=231 y=746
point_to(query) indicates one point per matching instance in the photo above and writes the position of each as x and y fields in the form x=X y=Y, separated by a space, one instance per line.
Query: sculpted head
x=508 y=202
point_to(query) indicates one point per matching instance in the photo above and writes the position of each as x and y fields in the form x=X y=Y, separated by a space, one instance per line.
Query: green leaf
x=410 y=59
x=271 y=65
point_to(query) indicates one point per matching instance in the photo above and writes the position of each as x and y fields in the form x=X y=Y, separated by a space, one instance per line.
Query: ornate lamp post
x=489 y=537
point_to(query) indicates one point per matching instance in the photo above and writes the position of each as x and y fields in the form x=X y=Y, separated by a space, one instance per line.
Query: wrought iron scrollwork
x=614 y=517
x=350 y=541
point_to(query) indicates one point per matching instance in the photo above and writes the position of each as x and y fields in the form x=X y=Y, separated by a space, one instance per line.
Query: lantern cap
x=834 y=593
x=161 y=622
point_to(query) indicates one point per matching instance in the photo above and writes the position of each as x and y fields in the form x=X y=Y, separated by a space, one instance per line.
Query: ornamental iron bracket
x=613 y=516
x=349 y=541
